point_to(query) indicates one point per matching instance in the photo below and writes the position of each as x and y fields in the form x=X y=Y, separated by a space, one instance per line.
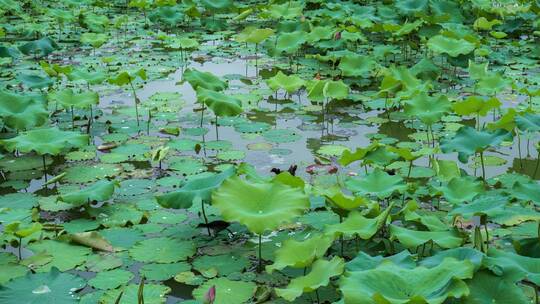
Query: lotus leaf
x=321 y=273
x=259 y=206
x=50 y=141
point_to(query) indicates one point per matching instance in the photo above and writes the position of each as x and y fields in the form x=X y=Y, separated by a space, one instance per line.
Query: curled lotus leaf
x=22 y=112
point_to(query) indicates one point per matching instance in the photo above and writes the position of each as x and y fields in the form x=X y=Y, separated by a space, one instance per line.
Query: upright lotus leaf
x=291 y=42
x=290 y=83
x=378 y=183
x=364 y=261
x=512 y=266
x=468 y=141
x=218 y=5
x=389 y=283
x=506 y=121
x=410 y=7
x=94 y=39
x=527 y=192
x=221 y=104
x=259 y=206
x=33 y=81
x=96 y=77
x=55 y=70
x=42 y=47
x=100 y=191
x=451 y=46
x=461 y=254
x=398 y=79
x=127 y=77
x=22 y=112
x=287 y=10
x=254 y=35
x=169 y=15
x=315 y=89
x=48 y=287
x=528 y=122
x=321 y=273
x=478 y=70
x=414 y=238
x=335 y=89
x=492 y=84
x=204 y=80
x=429 y=109
x=476 y=105
x=357 y=225
x=482 y=206
x=67 y=98
x=345 y=202
x=488 y=288
x=50 y=141
x=357 y=65
x=462 y=189
x=446 y=169
x=183 y=43
x=200 y=187
x=298 y=254
x=348 y=157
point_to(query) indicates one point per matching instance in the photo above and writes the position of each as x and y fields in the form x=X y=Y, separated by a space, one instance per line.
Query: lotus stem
x=519 y=150
x=260 y=253
x=483 y=166
x=537 y=164
x=136 y=102
x=317 y=294
x=72 y=119
x=148 y=122
x=44 y=167
x=217 y=128
x=202 y=115
x=205 y=218
x=20 y=248
x=487 y=236
x=140 y=292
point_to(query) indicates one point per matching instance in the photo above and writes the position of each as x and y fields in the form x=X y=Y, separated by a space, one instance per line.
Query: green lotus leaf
x=259 y=206
x=126 y=77
x=528 y=122
x=335 y=90
x=409 y=7
x=42 y=47
x=357 y=225
x=357 y=65
x=218 y=5
x=348 y=157
x=289 y=10
x=468 y=141
x=462 y=189
x=364 y=261
x=64 y=256
x=389 y=283
x=205 y=80
x=67 y=98
x=461 y=254
x=321 y=273
x=151 y=293
x=227 y=291
x=199 y=187
x=476 y=105
x=414 y=238
x=478 y=70
x=488 y=288
x=254 y=35
x=429 y=109
x=378 y=183
x=451 y=46
x=319 y=33
x=481 y=206
x=96 y=77
x=224 y=264
x=291 y=42
x=182 y=43
x=22 y=230
x=50 y=141
x=526 y=192
x=35 y=81
x=221 y=104
x=492 y=84
x=111 y=279
x=50 y=287
x=98 y=192
x=163 y=272
x=94 y=39
x=346 y=202
x=162 y=250
x=506 y=121
x=401 y=79
x=22 y=112
x=512 y=266
x=483 y=24
x=298 y=254
x=291 y=83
